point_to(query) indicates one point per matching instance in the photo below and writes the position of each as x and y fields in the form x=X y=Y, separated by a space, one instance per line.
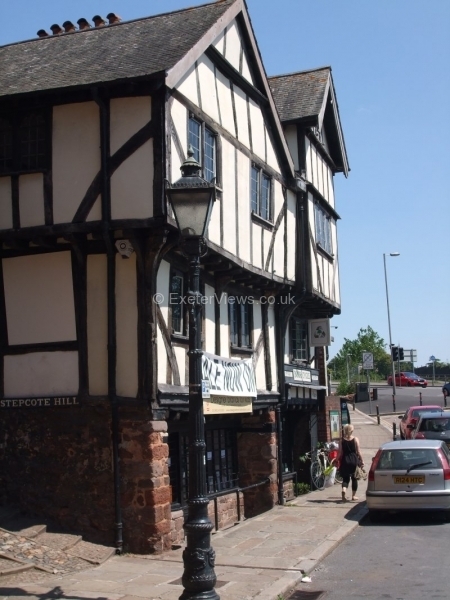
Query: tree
x=367 y=340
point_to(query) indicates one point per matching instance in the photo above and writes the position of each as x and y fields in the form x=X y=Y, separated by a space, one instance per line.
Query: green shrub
x=301 y=488
x=345 y=388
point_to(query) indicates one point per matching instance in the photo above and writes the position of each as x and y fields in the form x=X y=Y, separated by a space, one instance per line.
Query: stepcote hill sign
x=47 y=402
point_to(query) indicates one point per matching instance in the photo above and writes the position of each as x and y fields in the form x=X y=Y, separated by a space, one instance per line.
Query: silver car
x=409 y=475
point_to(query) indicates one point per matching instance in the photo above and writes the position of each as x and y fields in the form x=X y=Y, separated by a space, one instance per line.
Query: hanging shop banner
x=229 y=376
x=232 y=384
x=319 y=332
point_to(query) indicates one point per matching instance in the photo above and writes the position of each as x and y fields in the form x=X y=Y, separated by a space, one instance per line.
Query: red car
x=408 y=380
x=411 y=417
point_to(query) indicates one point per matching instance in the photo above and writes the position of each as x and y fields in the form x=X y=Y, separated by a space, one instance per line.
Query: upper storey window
x=204 y=145
x=23 y=142
x=323 y=229
x=260 y=192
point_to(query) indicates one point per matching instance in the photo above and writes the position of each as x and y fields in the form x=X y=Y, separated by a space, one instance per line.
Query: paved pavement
x=263 y=558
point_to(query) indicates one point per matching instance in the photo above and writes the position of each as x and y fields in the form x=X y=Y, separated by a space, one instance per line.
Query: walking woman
x=349 y=458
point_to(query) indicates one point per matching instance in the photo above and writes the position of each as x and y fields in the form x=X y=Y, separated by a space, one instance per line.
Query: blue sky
x=390 y=68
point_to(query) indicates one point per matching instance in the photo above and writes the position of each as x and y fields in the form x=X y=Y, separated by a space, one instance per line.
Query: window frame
x=200 y=154
x=256 y=196
x=239 y=318
x=26 y=135
x=183 y=330
x=323 y=231
x=294 y=322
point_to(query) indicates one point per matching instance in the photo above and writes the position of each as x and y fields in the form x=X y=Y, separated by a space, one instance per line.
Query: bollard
x=378 y=414
x=420 y=398
x=394 y=431
x=393 y=402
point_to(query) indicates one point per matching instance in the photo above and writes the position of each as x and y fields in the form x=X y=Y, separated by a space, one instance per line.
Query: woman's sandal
x=344 y=499
x=355 y=498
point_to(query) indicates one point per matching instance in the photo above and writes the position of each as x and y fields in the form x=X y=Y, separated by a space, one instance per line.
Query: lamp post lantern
x=191 y=198
x=389 y=319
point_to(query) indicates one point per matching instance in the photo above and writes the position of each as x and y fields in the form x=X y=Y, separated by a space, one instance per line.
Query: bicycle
x=322 y=462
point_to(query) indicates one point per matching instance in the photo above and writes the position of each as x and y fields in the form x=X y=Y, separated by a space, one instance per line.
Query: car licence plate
x=406 y=479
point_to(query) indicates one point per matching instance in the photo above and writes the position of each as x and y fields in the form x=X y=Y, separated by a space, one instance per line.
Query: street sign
x=367 y=361
x=410 y=355
x=432 y=358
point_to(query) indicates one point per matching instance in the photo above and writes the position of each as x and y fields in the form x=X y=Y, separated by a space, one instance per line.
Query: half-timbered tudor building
x=94 y=124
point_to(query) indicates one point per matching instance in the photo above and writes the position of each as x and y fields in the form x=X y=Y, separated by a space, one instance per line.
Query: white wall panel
x=219 y=42
x=330 y=188
x=6 y=221
x=271 y=154
x=278 y=251
x=308 y=159
x=291 y=246
x=257 y=232
x=290 y=133
x=229 y=196
x=132 y=185
x=245 y=71
x=31 y=200
x=180 y=119
x=76 y=143
x=233 y=45
x=224 y=326
x=258 y=137
x=41 y=374
x=208 y=88
x=97 y=324
x=259 y=366
x=226 y=107
x=180 y=355
x=273 y=354
x=315 y=176
x=188 y=85
x=128 y=116
x=213 y=231
x=210 y=320
x=39 y=298
x=162 y=285
x=126 y=327
x=244 y=206
x=240 y=100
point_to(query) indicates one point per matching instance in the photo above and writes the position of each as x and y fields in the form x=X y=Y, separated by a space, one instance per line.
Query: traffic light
x=394 y=351
x=400 y=354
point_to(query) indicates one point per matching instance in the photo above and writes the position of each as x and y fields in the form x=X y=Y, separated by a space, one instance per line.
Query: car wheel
x=375 y=516
x=424 y=386
x=409 y=384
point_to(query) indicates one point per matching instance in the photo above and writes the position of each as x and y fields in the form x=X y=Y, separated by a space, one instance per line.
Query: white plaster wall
x=259 y=367
x=273 y=355
x=271 y=155
x=41 y=374
x=290 y=133
x=210 y=320
x=330 y=188
x=233 y=45
x=267 y=241
x=240 y=100
x=31 y=200
x=162 y=284
x=208 y=87
x=180 y=118
x=188 y=85
x=180 y=355
x=226 y=107
x=257 y=122
x=244 y=206
x=291 y=245
x=39 y=298
x=245 y=72
x=128 y=116
x=126 y=327
x=257 y=232
x=97 y=324
x=278 y=251
x=229 y=196
x=287 y=353
x=5 y=203
x=224 y=327
x=218 y=42
x=132 y=185
x=75 y=156
x=308 y=159
x=213 y=231
x=315 y=175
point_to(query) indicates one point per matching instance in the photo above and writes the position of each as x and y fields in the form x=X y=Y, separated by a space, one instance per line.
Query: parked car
x=433 y=426
x=409 y=475
x=408 y=380
x=446 y=389
x=411 y=417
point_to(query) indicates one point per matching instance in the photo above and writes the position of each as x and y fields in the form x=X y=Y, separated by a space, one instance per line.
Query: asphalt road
x=404 y=398
x=403 y=558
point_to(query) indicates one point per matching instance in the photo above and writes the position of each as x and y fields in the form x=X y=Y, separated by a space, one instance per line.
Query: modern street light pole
x=191 y=198
x=389 y=319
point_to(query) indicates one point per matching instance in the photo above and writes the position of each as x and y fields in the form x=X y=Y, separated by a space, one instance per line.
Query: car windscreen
x=405 y=459
x=420 y=411
x=435 y=425
x=412 y=375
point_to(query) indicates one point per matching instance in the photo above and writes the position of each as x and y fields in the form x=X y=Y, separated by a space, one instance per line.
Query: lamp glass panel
x=191 y=210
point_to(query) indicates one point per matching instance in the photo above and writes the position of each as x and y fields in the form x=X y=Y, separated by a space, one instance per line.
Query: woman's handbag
x=360 y=473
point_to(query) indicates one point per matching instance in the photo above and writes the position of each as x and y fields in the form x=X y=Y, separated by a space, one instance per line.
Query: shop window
x=299 y=339
x=240 y=316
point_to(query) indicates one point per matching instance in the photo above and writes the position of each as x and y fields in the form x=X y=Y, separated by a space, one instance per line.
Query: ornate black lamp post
x=191 y=198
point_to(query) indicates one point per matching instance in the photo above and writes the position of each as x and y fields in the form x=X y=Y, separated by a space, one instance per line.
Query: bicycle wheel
x=338 y=478
x=317 y=476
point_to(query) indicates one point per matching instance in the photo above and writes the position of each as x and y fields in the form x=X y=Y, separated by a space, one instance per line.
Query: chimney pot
x=98 y=21
x=69 y=26
x=113 y=18
x=42 y=33
x=56 y=29
x=83 y=24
